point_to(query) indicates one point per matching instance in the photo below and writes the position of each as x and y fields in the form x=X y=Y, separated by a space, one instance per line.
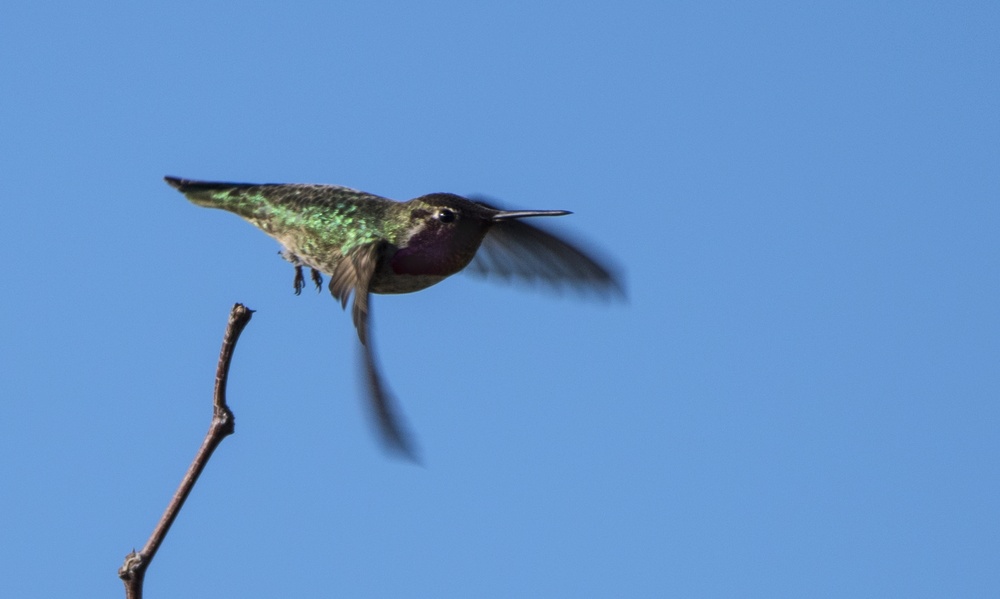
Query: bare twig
x=133 y=571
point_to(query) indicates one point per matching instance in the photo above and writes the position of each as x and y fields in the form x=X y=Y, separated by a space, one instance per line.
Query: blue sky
x=798 y=399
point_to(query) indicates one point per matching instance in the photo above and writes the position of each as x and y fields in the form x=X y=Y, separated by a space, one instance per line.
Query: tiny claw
x=300 y=281
x=317 y=278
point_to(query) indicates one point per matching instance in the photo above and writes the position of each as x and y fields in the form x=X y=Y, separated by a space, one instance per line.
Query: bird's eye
x=446 y=216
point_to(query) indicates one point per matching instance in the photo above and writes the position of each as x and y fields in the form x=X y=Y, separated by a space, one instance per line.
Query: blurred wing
x=517 y=250
x=383 y=407
x=353 y=275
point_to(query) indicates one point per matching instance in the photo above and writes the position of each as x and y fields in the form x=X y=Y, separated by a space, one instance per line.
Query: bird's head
x=444 y=231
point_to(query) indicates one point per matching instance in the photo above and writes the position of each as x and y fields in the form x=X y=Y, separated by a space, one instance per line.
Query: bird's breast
x=389 y=283
x=414 y=268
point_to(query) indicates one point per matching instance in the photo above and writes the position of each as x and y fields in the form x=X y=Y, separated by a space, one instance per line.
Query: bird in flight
x=369 y=244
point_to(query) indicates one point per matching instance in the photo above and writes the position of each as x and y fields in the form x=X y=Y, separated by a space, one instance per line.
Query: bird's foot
x=300 y=281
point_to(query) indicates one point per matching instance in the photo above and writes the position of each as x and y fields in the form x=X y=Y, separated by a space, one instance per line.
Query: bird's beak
x=512 y=214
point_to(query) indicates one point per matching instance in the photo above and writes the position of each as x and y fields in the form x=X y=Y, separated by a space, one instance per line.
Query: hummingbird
x=370 y=244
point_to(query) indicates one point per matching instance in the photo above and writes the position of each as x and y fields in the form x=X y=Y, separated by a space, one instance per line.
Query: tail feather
x=206 y=193
x=190 y=186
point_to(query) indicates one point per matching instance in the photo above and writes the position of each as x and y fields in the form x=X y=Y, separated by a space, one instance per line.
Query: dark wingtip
x=394 y=438
x=402 y=448
x=612 y=285
x=392 y=434
x=618 y=291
